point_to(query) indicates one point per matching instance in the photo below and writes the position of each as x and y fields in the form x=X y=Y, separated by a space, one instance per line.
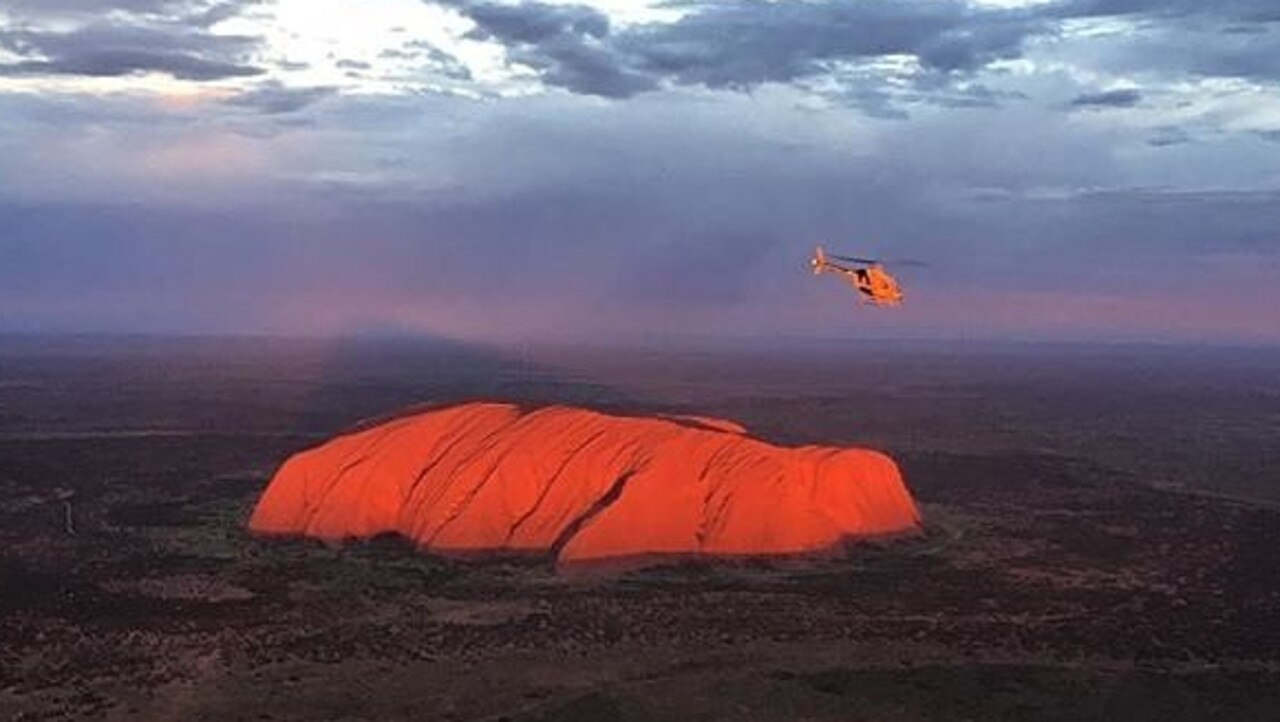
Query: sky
x=497 y=171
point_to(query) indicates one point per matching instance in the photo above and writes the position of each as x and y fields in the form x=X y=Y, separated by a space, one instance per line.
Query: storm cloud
x=742 y=45
x=1084 y=168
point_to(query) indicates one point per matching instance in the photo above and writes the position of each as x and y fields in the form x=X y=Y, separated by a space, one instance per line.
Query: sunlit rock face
x=583 y=486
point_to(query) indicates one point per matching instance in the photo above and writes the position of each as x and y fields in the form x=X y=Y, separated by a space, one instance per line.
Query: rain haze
x=490 y=171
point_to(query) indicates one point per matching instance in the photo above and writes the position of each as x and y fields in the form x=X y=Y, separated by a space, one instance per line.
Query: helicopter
x=868 y=275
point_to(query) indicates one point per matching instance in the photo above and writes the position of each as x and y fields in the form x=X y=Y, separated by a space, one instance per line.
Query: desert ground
x=1100 y=542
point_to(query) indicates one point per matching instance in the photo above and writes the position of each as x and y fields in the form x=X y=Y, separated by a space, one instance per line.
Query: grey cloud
x=433 y=59
x=1123 y=98
x=1255 y=56
x=1181 y=221
x=109 y=49
x=584 y=67
x=747 y=43
x=570 y=46
x=876 y=98
x=442 y=62
x=873 y=101
x=941 y=89
x=27 y=8
x=281 y=125
x=662 y=272
x=1234 y=38
x=1181 y=48
x=194 y=13
x=601 y=249
x=534 y=22
x=273 y=97
x=113 y=63
x=626 y=208
x=1246 y=10
x=180 y=46
x=1245 y=30
x=215 y=12
x=113 y=36
x=742 y=45
x=1169 y=136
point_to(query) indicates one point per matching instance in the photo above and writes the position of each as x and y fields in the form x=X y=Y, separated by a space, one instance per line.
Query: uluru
x=583 y=486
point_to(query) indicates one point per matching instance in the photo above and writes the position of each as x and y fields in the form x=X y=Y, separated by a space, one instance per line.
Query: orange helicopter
x=877 y=287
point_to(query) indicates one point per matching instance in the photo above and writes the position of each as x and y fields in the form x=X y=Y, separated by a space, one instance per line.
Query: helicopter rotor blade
x=891 y=261
x=852 y=259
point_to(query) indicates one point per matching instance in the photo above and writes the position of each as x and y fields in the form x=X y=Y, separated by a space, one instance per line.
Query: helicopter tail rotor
x=819 y=260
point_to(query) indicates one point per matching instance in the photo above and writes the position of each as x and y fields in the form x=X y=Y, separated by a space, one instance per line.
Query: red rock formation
x=584 y=486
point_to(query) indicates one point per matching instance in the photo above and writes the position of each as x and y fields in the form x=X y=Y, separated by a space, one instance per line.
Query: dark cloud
x=534 y=22
x=584 y=67
x=611 y=255
x=1169 y=136
x=211 y=13
x=108 y=35
x=663 y=271
x=194 y=13
x=1177 y=38
x=1180 y=48
x=876 y=97
x=180 y=45
x=273 y=97
x=1193 y=51
x=112 y=63
x=1180 y=223
x=1123 y=98
x=741 y=45
x=1245 y=30
x=569 y=45
x=1243 y=10
x=638 y=215
x=678 y=202
x=96 y=7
